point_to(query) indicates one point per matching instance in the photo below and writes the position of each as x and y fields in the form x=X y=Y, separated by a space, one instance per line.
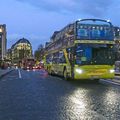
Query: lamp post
x=1 y=56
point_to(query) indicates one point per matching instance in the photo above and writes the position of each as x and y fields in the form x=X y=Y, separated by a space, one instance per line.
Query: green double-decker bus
x=82 y=50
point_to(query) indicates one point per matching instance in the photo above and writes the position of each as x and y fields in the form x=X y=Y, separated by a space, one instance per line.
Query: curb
x=5 y=73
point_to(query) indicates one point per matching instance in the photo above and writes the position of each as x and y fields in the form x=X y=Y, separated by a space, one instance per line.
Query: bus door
x=55 y=63
x=70 y=61
x=61 y=62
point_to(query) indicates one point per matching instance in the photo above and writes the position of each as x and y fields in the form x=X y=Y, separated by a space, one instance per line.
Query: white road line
x=19 y=73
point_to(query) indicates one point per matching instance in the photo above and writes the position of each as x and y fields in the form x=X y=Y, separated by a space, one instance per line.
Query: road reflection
x=83 y=105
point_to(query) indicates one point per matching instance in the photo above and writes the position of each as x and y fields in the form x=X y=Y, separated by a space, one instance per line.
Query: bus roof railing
x=108 y=21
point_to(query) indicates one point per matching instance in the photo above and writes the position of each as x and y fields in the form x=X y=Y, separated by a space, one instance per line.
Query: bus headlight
x=79 y=71
x=112 y=71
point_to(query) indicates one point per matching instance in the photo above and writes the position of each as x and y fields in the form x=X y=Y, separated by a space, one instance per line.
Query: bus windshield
x=94 y=30
x=94 y=54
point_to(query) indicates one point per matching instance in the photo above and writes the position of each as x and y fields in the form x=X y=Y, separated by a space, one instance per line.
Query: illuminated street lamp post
x=3 y=41
x=0 y=46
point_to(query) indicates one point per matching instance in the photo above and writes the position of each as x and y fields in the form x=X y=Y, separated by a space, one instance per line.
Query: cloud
x=95 y=7
x=91 y=7
x=36 y=20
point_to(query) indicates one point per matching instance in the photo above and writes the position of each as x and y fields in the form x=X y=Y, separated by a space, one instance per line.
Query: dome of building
x=23 y=40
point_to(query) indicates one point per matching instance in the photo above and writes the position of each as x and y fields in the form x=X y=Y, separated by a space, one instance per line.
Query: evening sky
x=36 y=20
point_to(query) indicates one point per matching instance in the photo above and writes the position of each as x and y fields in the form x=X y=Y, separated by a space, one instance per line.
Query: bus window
x=62 y=57
x=95 y=33
x=79 y=55
x=88 y=53
x=83 y=54
x=49 y=59
x=56 y=58
x=82 y=33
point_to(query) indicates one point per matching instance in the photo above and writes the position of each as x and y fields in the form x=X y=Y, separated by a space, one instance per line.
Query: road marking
x=19 y=73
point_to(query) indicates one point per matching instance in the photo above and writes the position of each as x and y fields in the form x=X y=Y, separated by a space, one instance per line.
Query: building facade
x=21 y=49
x=3 y=42
x=8 y=54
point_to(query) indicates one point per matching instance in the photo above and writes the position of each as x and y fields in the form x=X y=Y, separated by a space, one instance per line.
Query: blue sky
x=36 y=20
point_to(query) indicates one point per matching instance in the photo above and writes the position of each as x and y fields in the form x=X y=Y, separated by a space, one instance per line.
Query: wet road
x=33 y=95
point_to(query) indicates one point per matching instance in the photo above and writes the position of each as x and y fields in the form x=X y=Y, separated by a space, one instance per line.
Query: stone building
x=3 y=42
x=21 y=49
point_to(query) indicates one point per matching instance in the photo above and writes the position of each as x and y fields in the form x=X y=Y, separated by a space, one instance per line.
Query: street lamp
x=1 y=30
x=1 y=46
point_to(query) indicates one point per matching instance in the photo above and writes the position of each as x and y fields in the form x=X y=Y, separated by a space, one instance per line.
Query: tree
x=40 y=47
x=39 y=53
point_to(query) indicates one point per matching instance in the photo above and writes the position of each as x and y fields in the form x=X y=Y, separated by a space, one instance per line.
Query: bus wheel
x=65 y=75
x=49 y=71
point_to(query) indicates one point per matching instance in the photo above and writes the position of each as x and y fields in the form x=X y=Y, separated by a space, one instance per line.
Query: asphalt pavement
x=34 y=95
x=115 y=81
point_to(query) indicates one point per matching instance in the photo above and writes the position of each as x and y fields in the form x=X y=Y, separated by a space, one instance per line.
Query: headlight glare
x=112 y=71
x=79 y=71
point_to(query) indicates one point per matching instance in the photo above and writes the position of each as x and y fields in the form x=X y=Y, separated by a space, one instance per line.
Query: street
x=34 y=95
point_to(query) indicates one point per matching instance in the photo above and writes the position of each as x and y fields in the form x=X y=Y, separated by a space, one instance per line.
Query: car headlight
x=112 y=71
x=79 y=71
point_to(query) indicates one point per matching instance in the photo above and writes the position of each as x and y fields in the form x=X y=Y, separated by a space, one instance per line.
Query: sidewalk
x=3 y=72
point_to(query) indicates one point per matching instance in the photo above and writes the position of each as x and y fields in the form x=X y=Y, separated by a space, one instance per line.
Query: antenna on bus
x=108 y=21
x=79 y=19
